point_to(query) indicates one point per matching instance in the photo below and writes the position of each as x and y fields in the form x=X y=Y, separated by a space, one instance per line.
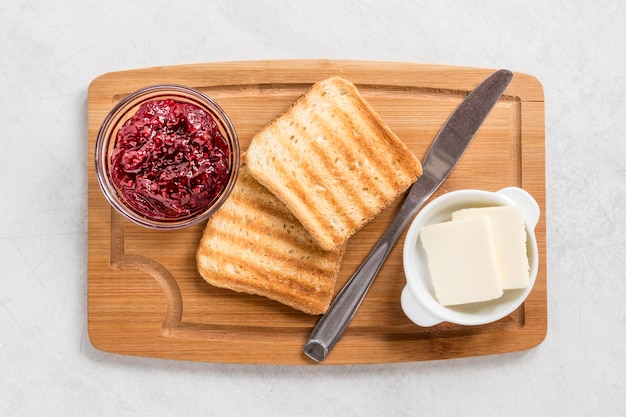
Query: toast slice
x=332 y=161
x=253 y=244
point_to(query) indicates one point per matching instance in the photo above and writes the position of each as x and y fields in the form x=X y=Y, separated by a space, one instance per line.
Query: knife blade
x=445 y=152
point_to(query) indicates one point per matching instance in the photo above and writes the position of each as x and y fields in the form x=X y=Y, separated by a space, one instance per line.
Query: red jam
x=170 y=160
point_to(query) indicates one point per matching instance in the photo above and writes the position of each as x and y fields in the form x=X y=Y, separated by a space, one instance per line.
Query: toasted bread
x=332 y=161
x=253 y=244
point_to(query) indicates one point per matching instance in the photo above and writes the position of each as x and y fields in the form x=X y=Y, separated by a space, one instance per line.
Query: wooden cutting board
x=146 y=298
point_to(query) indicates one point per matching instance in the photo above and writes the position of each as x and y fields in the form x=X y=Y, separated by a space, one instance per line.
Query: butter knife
x=443 y=155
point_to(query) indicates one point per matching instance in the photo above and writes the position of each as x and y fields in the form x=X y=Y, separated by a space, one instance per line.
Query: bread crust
x=332 y=161
x=253 y=244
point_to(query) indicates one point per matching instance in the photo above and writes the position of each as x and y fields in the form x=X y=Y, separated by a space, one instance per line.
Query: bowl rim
x=122 y=111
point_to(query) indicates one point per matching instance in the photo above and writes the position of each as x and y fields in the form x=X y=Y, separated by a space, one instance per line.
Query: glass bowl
x=182 y=177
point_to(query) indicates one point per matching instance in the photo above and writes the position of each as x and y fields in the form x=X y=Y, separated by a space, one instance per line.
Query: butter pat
x=462 y=260
x=509 y=237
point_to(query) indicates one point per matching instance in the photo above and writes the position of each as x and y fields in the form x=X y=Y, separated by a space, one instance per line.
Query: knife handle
x=332 y=324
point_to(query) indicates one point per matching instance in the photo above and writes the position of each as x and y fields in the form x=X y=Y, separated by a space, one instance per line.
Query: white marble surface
x=51 y=50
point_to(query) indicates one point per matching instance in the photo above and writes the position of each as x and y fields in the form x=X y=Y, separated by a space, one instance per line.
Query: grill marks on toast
x=254 y=244
x=317 y=161
x=332 y=161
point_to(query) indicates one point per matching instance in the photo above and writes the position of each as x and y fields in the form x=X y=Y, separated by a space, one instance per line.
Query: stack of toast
x=310 y=179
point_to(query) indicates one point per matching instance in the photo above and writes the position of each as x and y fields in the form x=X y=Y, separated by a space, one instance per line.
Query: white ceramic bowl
x=418 y=296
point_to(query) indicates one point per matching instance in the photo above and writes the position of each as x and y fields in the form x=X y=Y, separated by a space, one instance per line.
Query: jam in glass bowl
x=167 y=157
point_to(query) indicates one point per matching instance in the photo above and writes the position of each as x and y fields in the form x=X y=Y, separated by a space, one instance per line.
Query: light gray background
x=51 y=50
